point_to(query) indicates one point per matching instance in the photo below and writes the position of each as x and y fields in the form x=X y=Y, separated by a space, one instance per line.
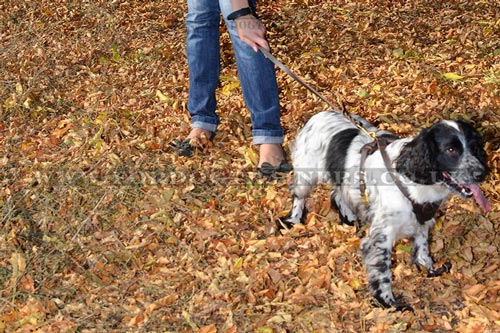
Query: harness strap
x=366 y=150
x=423 y=212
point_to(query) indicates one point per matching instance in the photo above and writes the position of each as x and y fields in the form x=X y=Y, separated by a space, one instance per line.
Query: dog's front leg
x=300 y=189
x=420 y=254
x=305 y=178
x=376 y=251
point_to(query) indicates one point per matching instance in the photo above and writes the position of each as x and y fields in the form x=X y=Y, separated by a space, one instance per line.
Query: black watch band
x=240 y=12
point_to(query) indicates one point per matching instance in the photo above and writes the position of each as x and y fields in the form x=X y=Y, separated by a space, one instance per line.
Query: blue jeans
x=256 y=73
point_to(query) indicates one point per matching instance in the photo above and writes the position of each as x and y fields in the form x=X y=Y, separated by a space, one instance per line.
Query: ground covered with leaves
x=104 y=228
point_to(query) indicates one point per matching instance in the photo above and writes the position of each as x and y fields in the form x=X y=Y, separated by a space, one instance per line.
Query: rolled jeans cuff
x=205 y=126
x=261 y=139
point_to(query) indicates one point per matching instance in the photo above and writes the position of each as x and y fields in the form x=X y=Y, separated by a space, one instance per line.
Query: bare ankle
x=271 y=153
x=199 y=132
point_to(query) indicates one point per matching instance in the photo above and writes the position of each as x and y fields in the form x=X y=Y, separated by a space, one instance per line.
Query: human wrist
x=242 y=12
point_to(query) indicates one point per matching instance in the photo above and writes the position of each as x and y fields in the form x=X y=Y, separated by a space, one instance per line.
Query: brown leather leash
x=423 y=212
x=342 y=107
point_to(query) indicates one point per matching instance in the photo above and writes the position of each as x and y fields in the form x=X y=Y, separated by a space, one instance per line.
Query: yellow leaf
x=19 y=88
x=355 y=284
x=27 y=103
x=452 y=76
x=26 y=145
x=251 y=157
x=228 y=88
x=162 y=97
x=238 y=265
x=10 y=103
x=280 y=318
x=189 y=320
x=175 y=104
x=98 y=147
x=18 y=262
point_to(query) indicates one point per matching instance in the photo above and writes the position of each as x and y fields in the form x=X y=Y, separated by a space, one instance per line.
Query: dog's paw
x=441 y=270
x=403 y=308
x=283 y=223
x=379 y=302
x=398 y=306
x=288 y=221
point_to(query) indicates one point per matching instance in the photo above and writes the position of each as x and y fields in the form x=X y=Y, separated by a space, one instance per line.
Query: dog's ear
x=474 y=140
x=417 y=159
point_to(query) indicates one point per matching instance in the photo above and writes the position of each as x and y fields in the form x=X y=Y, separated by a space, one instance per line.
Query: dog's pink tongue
x=480 y=198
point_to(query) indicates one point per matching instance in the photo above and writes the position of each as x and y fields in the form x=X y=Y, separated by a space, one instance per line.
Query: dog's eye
x=451 y=150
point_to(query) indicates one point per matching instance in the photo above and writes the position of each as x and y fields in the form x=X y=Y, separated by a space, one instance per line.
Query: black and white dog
x=445 y=158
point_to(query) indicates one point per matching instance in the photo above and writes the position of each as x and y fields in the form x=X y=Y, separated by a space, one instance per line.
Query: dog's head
x=449 y=153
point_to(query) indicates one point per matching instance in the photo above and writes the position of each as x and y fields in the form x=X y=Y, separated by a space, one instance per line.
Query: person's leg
x=203 y=54
x=260 y=91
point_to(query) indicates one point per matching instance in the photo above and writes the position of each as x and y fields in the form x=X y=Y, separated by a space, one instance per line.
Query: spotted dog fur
x=445 y=158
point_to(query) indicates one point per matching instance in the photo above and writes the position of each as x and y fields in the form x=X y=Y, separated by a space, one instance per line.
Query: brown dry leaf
x=162 y=302
x=275 y=275
x=475 y=290
x=61 y=131
x=207 y=329
x=137 y=320
x=27 y=284
x=31 y=314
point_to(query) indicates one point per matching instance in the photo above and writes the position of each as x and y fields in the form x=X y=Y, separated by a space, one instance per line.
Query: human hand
x=252 y=32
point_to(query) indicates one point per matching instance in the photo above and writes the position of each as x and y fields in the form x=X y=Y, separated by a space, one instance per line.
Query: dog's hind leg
x=376 y=250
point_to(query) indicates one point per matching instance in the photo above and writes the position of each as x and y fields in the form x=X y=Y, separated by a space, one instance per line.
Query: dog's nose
x=479 y=174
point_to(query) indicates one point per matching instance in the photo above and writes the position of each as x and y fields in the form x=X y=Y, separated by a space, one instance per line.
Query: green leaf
x=116 y=54
x=362 y=93
x=404 y=248
x=398 y=53
x=167 y=195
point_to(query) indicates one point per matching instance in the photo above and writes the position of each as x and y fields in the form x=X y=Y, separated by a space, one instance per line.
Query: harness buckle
x=364 y=197
x=363 y=191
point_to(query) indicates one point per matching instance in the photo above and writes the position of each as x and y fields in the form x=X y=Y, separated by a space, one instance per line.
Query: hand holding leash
x=252 y=32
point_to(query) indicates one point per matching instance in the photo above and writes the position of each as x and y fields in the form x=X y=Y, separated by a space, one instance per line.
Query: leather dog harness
x=423 y=212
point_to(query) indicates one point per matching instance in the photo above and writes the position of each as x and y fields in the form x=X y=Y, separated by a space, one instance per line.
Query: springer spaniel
x=445 y=158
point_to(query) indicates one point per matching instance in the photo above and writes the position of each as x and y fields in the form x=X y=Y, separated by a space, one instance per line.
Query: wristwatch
x=241 y=12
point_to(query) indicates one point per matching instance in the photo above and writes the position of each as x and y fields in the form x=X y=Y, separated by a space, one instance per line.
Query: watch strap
x=240 y=12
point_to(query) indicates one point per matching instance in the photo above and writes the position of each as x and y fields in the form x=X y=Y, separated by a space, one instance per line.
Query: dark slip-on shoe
x=272 y=171
x=188 y=146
